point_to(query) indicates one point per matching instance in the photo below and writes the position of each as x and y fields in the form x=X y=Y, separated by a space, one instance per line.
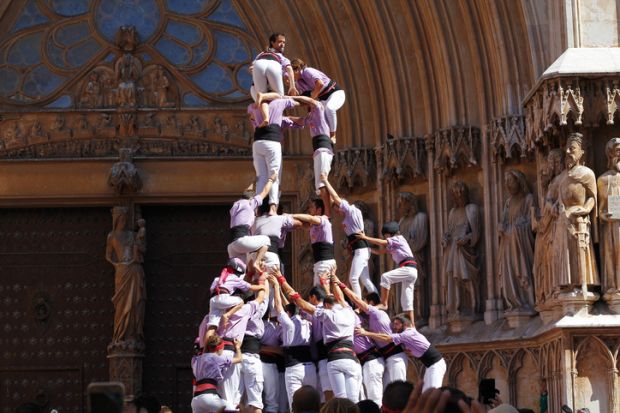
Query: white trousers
x=267 y=157
x=283 y=402
x=372 y=372
x=324 y=377
x=407 y=277
x=433 y=377
x=228 y=388
x=271 y=387
x=332 y=104
x=395 y=368
x=359 y=271
x=345 y=376
x=240 y=247
x=322 y=162
x=321 y=267
x=252 y=380
x=218 y=304
x=267 y=75
x=207 y=403
x=297 y=376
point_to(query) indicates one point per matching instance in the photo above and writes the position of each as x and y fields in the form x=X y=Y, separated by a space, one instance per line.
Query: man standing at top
x=269 y=67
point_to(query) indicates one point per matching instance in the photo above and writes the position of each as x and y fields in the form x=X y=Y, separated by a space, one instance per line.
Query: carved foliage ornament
x=508 y=136
x=402 y=158
x=354 y=168
x=455 y=147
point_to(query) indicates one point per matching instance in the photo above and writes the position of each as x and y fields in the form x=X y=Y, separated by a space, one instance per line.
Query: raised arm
x=238 y=358
x=332 y=192
x=336 y=289
x=308 y=219
x=359 y=303
x=301 y=303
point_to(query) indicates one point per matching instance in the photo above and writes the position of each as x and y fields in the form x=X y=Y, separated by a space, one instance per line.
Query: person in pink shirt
x=270 y=65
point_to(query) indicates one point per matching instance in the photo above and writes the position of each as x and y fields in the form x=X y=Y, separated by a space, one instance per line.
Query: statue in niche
x=574 y=264
x=124 y=175
x=160 y=85
x=544 y=226
x=124 y=250
x=460 y=258
x=127 y=124
x=92 y=96
x=414 y=227
x=127 y=70
x=516 y=244
x=609 y=186
x=12 y=136
x=109 y=92
x=126 y=38
x=221 y=128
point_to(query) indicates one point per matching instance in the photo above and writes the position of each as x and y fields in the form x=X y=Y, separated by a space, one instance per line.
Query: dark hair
x=264 y=207
x=274 y=37
x=405 y=320
x=318 y=203
x=318 y=292
x=396 y=394
x=455 y=396
x=297 y=62
x=368 y=406
x=373 y=298
x=306 y=399
x=329 y=300
x=291 y=309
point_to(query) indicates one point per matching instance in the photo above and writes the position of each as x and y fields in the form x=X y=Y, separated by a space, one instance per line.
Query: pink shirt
x=322 y=232
x=237 y=325
x=379 y=322
x=211 y=365
x=338 y=322
x=353 y=221
x=242 y=211
x=308 y=78
x=232 y=282
x=399 y=248
x=413 y=340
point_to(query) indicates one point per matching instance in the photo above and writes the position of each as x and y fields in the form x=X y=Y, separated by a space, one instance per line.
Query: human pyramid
x=261 y=340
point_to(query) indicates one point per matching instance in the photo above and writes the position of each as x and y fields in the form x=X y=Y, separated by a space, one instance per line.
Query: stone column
x=434 y=267
x=490 y=219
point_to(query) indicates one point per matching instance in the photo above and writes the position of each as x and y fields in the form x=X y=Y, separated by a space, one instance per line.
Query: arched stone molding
x=594 y=374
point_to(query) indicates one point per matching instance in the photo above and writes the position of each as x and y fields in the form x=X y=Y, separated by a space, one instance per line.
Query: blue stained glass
x=41 y=82
x=189 y=99
x=235 y=95
x=200 y=52
x=82 y=53
x=183 y=31
x=226 y=13
x=244 y=78
x=10 y=81
x=187 y=6
x=70 y=7
x=26 y=51
x=146 y=57
x=61 y=103
x=173 y=51
x=110 y=57
x=143 y=14
x=55 y=54
x=230 y=49
x=213 y=79
x=72 y=34
x=30 y=16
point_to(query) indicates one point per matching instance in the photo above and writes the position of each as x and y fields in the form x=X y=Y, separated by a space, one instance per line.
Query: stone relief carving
x=403 y=158
x=354 y=168
x=37 y=134
x=516 y=245
x=92 y=95
x=128 y=70
x=570 y=101
x=457 y=146
x=608 y=185
x=460 y=258
x=124 y=175
x=508 y=136
x=613 y=102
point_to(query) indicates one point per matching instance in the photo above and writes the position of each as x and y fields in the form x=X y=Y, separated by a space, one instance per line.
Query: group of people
x=261 y=340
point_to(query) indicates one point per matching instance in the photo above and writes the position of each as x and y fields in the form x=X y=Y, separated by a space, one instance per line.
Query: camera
x=487 y=390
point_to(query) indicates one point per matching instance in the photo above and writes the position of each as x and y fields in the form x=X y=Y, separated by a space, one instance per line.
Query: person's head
x=165 y=409
x=236 y=265
x=389 y=229
x=395 y=396
x=516 y=182
x=291 y=309
x=400 y=323
x=277 y=41
x=329 y=302
x=298 y=66
x=316 y=295
x=460 y=193
x=340 y=405
x=455 y=396
x=148 y=404
x=214 y=344
x=574 y=149
x=372 y=299
x=612 y=149
x=583 y=410
x=407 y=204
x=306 y=399
x=368 y=406
x=316 y=207
x=263 y=209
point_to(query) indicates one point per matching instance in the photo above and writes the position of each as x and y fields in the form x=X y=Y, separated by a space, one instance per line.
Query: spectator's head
x=368 y=406
x=532 y=411
x=373 y=299
x=165 y=409
x=291 y=309
x=395 y=396
x=340 y=405
x=306 y=399
x=455 y=396
x=316 y=295
x=148 y=404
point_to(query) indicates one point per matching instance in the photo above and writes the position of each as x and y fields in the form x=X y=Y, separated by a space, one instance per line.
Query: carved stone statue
x=608 y=186
x=544 y=226
x=575 y=265
x=92 y=96
x=127 y=70
x=124 y=250
x=516 y=244
x=460 y=258
x=124 y=176
x=160 y=85
x=414 y=227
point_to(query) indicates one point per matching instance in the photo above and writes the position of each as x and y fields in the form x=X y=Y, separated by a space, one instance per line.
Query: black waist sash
x=273 y=246
x=322 y=141
x=408 y=262
x=272 y=358
x=205 y=386
x=430 y=356
x=322 y=251
x=239 y=231
x=390 y=350
x=331 y=88
x=321 y=350
x=356 y=243
x=294 y=355
x=228 y=343
x=270 y=132
x=370 y=354
x=340 y=349
x=250 y=344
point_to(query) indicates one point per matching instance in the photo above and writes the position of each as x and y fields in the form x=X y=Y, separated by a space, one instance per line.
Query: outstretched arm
x=376 y=336
x=306 y=100
x=376 y=241
x=301 y=303
x=332 y=192
x=308 y=219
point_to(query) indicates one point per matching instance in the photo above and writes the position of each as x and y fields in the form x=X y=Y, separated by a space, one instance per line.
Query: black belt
x=408 y=262
x=321 y=350
x=327 y=92
x=322 y=251
x=205 y=386
x=273 y=246
x=355 y=243
x=390 y=350
x=430 y=356
x=322 y=141
x=228 y=343
x=271 y=132
x=370 y=354
x=250 y=345
x=268 y=56
x=340 y=349
x=239 y=231
x=294 y=355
